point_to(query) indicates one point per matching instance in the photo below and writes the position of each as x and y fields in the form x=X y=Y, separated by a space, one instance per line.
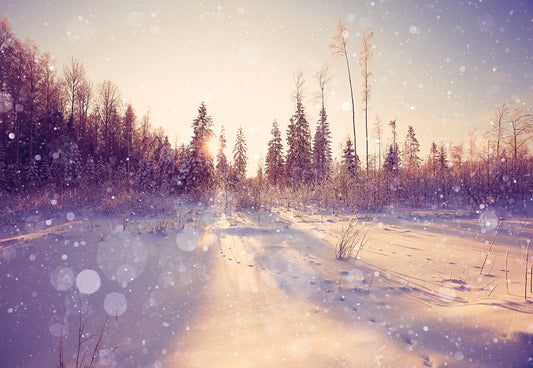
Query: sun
x=212 y=145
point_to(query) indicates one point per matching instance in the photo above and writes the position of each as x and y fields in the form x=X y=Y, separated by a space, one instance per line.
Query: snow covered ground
x=204 y=288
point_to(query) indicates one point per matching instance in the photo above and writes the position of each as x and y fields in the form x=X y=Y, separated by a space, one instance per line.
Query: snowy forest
x=64 y=135
x=123 y=247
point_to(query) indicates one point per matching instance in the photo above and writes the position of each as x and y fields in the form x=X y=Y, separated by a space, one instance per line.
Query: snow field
x=264 y=289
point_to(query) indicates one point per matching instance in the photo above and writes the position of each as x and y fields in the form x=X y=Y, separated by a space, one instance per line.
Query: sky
x=443 y=67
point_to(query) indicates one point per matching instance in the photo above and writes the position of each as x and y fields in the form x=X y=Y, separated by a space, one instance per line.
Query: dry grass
x=353 y=238
x=87 y=345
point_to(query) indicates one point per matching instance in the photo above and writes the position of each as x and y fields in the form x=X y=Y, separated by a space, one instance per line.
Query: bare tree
x=73 y=74
x=364 y=59
x=499 y=117
x=521 y=130
x=378 y=131
x=323 y=77
x=299 y=84
x=338 y=48
x=109 y=101
x=84 y=99
x=31 y=87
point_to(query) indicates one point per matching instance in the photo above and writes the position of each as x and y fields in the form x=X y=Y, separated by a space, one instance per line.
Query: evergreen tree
x=167 y=168
x=274 y=157
x=411 y=160
x=128 y=123
x=431 y=172
x=239 y=156
x=3 y=178
x=322 y=147
x=197 y=174
x=322 y=139
x=222 y=168
x=392 y=161
x=33 y=177
x=411 y=163
x=146 y=174
x=349 y=160
x=65 y=168
x=298 y=163
x=442 y=162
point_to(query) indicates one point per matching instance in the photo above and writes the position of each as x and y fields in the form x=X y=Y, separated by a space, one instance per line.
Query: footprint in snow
x=427 y=362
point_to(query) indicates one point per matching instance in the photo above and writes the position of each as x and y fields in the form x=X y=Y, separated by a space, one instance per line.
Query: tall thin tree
x=338 y=48
x=322 y=139
x=364 y=59
x=73 y=74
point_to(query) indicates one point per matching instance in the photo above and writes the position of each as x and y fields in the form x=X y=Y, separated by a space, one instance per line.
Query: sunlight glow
x=212 y=145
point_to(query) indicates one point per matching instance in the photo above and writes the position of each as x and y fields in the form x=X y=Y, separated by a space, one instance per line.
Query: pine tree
x=392 y=161
x=128 y=123
x=200 y=170
x=442 y=162
x=298 y=164
x=431 y=170
x=411 y=163
x=167 y=168
x=349 y=160
x=411 y=160
x=3 y=178
x=33 y=177
x=222 y=168
x=239 y=156
x=146 y=174
x=322 y=139
x=322 y=147
x=274 y=158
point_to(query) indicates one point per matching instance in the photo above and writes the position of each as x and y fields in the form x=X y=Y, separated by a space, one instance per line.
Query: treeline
x=60 y=131
x=494 y=168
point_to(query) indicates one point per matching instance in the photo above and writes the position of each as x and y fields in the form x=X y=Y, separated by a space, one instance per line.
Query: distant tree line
x=60 y=131
x=493 y=168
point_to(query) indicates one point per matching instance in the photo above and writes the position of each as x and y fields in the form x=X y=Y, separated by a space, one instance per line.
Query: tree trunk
x=353 y=107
